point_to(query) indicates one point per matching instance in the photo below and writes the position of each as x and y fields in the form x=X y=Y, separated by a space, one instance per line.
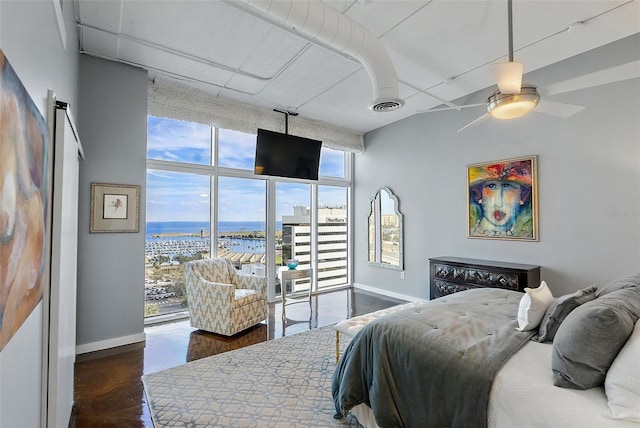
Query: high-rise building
x=332 y=244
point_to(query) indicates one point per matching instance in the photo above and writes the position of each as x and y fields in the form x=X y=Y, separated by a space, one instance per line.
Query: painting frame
x=115 y=208
x=502 y=199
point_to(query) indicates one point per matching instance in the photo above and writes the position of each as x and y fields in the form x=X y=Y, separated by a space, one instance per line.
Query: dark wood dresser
x=453 y=274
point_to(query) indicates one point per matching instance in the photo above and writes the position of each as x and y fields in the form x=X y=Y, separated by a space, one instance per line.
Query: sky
x=175 y=196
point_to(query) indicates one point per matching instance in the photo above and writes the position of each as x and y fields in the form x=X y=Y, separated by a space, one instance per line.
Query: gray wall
x=113 y=125
x=29 y=39
x=589 y=176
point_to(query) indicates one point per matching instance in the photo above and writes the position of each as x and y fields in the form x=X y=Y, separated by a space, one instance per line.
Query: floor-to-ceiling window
x=292 y=210
x=332 y=236
x=204 y=200
x=178 y=230
x=178 y=209
x=242 y=228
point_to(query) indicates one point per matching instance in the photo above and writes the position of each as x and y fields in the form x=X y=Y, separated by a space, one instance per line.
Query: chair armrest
x=252 y=282
x=197 y=283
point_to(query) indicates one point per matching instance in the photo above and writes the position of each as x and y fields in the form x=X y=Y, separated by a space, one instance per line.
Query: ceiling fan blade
x=619 y=73
x=508 y=75
x=475 y=122
x=556 y=109
x=451 y=108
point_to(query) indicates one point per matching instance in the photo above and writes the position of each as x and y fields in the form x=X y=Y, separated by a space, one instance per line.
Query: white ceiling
x=440 y=48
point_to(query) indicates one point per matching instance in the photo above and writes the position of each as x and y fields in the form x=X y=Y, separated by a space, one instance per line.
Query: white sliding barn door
x=61 y=350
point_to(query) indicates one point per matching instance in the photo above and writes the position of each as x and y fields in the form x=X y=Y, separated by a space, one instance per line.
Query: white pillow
x=622 y=384
x=532 y=307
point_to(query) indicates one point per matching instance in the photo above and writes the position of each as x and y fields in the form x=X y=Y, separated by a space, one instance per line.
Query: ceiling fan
x=515 y=99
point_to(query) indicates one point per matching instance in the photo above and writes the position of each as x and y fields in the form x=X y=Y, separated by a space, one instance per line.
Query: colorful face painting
x=502 y=199
x=23 y=203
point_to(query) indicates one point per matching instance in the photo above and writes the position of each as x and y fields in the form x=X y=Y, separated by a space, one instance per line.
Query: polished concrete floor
x=108 y=389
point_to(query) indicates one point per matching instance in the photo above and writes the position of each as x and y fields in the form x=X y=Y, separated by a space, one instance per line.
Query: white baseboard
x=387 y=293
x=110 y=343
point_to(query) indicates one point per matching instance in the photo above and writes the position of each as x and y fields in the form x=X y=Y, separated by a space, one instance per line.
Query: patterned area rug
x=279 y=383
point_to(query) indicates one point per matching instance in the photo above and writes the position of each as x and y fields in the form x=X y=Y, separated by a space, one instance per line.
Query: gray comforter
x=431 y=365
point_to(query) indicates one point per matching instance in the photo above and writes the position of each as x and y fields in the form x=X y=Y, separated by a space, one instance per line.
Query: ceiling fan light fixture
x=509 y=76
x=512 y=106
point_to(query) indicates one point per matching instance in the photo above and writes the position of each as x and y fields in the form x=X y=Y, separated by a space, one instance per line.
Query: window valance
x=176 y=100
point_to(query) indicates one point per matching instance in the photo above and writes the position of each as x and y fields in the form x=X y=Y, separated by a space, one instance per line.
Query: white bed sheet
x=523 y=396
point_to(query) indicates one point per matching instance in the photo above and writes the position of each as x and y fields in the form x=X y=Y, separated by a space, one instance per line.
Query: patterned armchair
x=221 y=299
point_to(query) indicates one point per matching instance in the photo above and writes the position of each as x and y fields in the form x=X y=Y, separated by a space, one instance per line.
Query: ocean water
x=195 y=243
x=156 y=227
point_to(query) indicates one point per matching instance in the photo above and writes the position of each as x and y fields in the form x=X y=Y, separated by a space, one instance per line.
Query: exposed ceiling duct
x=326 y=25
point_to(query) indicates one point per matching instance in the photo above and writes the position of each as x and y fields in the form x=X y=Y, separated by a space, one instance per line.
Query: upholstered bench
x=352 y=326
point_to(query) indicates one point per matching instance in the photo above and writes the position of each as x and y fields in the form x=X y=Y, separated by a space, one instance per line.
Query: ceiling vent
x=326 y=25
x=384 y=106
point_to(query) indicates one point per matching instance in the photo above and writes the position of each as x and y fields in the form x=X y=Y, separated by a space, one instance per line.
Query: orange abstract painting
x=24 y=200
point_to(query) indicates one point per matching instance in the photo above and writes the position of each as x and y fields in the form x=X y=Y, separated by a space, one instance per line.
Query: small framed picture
x=502 y=199
x=114 y=208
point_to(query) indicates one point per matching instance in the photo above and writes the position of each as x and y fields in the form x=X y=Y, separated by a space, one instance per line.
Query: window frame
x=214 y=171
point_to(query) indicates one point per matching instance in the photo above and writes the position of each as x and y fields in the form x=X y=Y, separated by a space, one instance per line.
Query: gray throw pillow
x=558 y=311
x=619 y=284
x=591 y=336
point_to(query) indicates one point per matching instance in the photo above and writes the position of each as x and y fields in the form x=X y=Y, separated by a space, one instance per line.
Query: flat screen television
x=286 y=155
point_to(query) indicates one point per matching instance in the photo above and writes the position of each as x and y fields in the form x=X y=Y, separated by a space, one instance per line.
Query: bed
x=576 y=364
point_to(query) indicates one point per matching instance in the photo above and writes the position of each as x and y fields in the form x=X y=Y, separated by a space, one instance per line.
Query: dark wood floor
x=108 y=389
